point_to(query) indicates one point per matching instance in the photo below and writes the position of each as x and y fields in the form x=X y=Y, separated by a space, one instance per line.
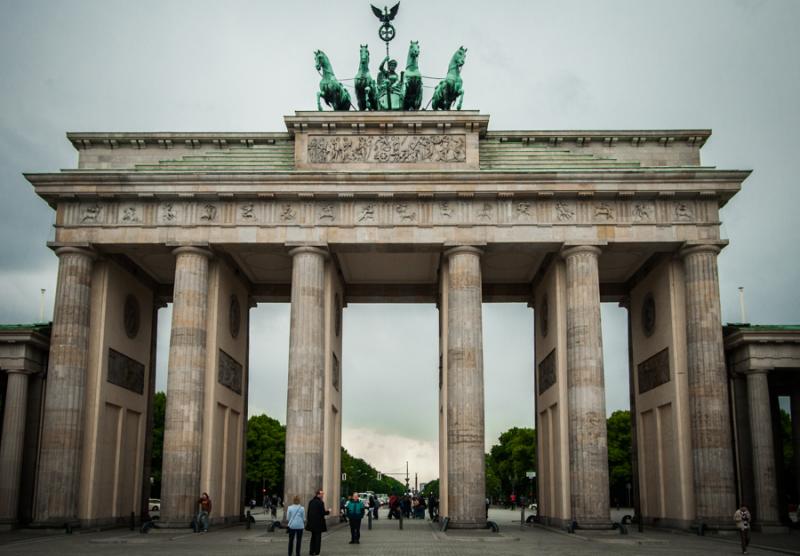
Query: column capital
x=19 y=371
x=463 y=249
x=571 y=250
x=692 y=248
x=75 y=250
x=757 y=372
x=313 y=249
x=194 y=249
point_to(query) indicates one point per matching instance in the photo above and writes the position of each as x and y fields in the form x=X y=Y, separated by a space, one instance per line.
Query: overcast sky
x=114 y=65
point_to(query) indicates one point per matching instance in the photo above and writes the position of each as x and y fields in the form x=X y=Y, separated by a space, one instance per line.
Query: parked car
x=155 y=504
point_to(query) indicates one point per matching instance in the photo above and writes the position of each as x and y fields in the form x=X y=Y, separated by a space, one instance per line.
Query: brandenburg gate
x=409 y=206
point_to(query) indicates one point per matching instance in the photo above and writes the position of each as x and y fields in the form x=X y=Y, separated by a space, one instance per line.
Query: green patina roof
x=763 y=327
x=35 y=327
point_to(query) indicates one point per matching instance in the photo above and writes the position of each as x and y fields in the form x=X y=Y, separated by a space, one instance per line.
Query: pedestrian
x=742 y=520
x=204 y=512
x=488 y=503
x=295 y=518
x=315 y=521
x=355 y=511
x=374 y=504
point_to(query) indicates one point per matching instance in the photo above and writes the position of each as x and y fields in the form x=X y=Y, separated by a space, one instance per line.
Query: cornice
x=719 y=184
x=169 y=140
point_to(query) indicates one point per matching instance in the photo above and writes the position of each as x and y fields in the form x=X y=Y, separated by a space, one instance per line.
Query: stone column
x=766 y=510
x=183 y=427
x=588 y=459
x=58 y=480
x=304 y=403
x=712 y=451
x=13 y=441
x=465 y=419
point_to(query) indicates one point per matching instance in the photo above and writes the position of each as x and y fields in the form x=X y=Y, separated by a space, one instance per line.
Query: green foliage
x=431 y=488
x=157 y=453
x=362 y=476
x=790 y=480
x=509 y=461
x=266 y=444
x=619 y=455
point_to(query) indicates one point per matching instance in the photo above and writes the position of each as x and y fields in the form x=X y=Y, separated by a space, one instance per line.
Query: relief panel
x=377 y=149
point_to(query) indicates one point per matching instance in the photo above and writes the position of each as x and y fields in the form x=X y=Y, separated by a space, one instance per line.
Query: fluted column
x=58 y=480
x=183 y=427
x=466 y=489
x=712 y=452
x=304 y=404
x=588 y=444
x=766 y=510
x=12 y=443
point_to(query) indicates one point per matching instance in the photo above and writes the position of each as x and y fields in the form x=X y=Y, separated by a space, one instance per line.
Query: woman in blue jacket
x=296 y=518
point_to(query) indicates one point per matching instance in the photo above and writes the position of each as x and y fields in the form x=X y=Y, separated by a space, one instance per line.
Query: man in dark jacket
x=315 y=521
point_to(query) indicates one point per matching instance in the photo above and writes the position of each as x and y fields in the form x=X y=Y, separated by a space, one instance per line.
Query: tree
x=157 y=453
x=266 y=445
x=619 y=455
x=431 y=488
x=509 y=461
x=361 y=476
x=786 y=450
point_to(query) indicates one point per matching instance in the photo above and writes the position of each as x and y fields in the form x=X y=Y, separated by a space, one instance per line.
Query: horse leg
x=319 y=104
x=460 y=100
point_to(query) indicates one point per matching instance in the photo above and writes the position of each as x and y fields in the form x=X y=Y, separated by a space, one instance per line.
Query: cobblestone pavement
x=417 y=538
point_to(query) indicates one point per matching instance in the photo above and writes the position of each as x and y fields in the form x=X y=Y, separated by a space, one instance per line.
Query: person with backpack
x=355 y=511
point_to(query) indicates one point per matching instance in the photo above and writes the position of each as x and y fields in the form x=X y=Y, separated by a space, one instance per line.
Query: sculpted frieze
x=386 y=212
x=386 y=149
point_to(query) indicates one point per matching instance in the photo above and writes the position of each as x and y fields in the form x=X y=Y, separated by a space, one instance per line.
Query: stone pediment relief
x=377 y=149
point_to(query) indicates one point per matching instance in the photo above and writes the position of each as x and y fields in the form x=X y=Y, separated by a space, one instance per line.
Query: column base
x=595 y=524
x=716 y=524
x=773 y=528
x=466 y=524
x=175 y=523
x=56 y=523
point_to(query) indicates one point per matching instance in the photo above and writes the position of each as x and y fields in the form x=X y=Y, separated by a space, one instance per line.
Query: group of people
x=313 y=520
x=413 y=507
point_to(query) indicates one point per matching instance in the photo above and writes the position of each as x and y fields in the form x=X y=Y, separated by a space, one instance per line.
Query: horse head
x=322 y=61
x=413 y=50
x=363 y=54
x=459 y=58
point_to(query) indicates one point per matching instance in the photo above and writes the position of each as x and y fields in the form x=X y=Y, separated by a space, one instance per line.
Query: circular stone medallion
x=131 y=317
x=234 y=316
x=648 y=315
x=544 y=317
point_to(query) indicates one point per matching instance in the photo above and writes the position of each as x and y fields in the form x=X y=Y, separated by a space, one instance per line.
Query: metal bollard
x=133 y=521
x=249 y=517
x=522 y=517
x=400 y=518
x=369 y=520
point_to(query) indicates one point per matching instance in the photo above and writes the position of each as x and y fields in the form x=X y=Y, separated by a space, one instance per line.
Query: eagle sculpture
x=386 y=15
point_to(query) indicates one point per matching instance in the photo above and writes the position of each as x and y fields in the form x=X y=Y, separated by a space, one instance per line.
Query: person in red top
x=513 y=501
x=205 y=510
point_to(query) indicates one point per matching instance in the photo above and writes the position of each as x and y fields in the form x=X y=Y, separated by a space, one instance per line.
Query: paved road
x=417 y=539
